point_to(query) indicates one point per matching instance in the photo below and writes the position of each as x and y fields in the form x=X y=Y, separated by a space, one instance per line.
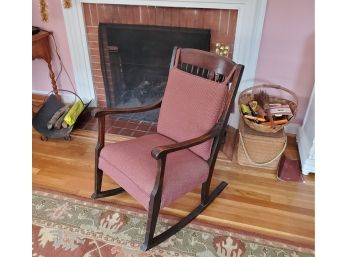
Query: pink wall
x=286 y=54
x=40 y=78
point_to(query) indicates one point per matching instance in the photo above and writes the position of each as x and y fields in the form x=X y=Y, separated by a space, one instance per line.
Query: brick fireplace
x=221 y=22
x=247 y=14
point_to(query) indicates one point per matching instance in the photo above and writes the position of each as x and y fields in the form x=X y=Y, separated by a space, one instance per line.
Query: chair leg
x=152 y=217
x=98 y=180
x=151 y=241
x=205 y=192
x=98 y=184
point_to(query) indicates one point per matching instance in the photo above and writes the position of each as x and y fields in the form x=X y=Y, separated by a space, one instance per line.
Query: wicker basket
x=248 y=95
x=260 y=150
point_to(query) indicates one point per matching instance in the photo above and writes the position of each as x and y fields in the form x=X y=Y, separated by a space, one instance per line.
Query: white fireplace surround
x=250 y=19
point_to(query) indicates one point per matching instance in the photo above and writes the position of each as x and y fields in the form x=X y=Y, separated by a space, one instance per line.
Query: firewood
x=64 y=124
x=56 y=116
x=263 y=99
x=58 y=123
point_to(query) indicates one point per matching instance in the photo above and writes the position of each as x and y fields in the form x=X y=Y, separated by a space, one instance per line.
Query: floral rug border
x=196 y=225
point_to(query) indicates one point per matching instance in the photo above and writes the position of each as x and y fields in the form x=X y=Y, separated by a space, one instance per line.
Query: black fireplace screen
x=135 y=61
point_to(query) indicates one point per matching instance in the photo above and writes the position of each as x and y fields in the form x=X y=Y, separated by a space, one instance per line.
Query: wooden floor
x=254 y=201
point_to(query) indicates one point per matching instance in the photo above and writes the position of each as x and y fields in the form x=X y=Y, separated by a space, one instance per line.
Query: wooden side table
x=41 y=49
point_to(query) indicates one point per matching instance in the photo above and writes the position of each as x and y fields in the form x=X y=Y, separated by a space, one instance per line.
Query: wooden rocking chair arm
x=161 y=151
x=98 y=112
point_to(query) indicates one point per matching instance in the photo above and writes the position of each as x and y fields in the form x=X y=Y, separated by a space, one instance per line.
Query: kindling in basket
x=267 y=108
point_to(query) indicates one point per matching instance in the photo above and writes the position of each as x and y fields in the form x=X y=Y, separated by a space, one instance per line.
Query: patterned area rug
x=71 y=226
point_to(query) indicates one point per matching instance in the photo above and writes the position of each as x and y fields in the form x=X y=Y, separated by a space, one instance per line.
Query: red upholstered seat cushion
x=190 y=108
x=130 y=164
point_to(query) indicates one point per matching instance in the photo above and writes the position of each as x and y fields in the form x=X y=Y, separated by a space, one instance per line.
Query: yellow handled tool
x=72 y=115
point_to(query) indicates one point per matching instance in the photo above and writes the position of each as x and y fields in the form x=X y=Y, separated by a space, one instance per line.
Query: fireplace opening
x=135 y=62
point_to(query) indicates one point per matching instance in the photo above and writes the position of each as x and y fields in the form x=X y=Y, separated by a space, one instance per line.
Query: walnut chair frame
x=209 y=66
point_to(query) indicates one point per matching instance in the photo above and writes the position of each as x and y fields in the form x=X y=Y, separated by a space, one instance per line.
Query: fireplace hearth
x=135 y=61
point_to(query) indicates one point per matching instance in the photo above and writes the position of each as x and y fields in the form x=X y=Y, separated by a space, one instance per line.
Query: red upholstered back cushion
x=191 y=106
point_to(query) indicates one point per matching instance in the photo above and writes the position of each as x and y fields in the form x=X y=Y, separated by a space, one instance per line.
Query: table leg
x=53 y=79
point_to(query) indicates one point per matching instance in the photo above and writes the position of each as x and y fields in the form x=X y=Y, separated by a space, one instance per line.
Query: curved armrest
x=161 y=151
x=98 y=112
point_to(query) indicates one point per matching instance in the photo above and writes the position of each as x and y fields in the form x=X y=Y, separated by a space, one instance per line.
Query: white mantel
x=250 y=19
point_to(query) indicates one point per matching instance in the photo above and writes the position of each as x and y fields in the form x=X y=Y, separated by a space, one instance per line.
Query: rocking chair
x=157 y=169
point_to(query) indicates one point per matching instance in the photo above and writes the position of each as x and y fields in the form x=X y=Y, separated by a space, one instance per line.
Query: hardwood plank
x=254 y=200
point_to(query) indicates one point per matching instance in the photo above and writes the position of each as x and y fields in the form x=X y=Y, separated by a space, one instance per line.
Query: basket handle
x=275 y=87
x=262 y=163
x=69 y=92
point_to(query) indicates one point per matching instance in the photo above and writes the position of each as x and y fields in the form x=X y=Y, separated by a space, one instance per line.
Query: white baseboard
x=40 y=92
x=66 y=97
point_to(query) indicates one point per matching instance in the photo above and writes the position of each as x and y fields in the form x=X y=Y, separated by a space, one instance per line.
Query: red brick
x=97 y=72
x=191 y=18
x=183 y=13
x=99 y=85
x=95 y=58
x=159 y=14
x=100 y=91
x=101 y=103
x=167 y=19
x=92 y=37
x=108 y=13
x=138 y=133
x=127 y=132
x=108 y=124
x=208 y=18
x=127 y=16
x=153 y=129
x=94 y=51
x=101 y=98
x=115 y=14
x=175 y=17
x=94 y=14
x=216 y=20
x=123 y=10
x=96 y=66
x=120 y=123
x=100 y=10
x=136 y=14
x=87 y=14
x=143 y=127
x=151 y=16
x=132 y=125
x=224 y=22
x=97 y=79
x=92 y=30
x=93 y=44
x=232 y=23
x=114 y=130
